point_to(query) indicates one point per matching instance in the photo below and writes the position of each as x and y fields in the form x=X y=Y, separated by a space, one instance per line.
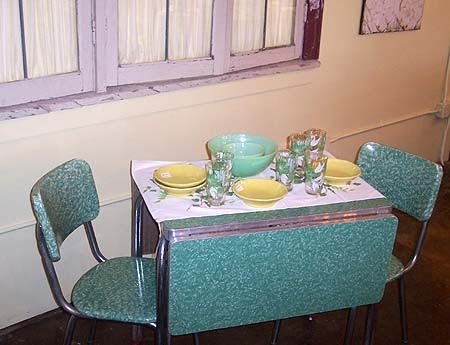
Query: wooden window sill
x=146 y=89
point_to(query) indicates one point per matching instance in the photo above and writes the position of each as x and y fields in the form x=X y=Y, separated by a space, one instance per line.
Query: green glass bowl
x=246 y=149
x=244 y=166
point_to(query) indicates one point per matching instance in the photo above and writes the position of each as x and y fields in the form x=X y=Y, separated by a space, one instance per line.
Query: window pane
x=280 y=23
x=50 y=37
x=190 y=27
x=10 y=42
x=142 y=31
x=248 y=25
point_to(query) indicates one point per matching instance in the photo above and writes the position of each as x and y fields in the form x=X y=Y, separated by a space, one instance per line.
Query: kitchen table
x=233 y=265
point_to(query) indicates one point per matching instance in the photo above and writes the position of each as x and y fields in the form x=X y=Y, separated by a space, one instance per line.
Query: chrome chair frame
x=56 y=289
x=422 y=213
x=41 y=213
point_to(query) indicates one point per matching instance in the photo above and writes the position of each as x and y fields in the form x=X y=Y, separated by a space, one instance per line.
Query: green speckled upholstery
x=247 y=278
x=62 y=200
x=410 y=182
x=120 y=289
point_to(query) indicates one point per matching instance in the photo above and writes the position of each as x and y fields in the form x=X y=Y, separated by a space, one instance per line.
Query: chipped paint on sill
x=118 y=93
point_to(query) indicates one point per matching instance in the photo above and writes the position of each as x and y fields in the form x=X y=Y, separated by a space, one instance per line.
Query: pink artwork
x=391 y=15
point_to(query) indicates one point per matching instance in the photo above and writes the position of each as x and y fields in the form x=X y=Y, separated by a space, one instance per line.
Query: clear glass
x=285 y=165
x=315 y=166
x=248 y=25
x=225 y=158
x=51 y=37
x=11 y=67
x=217 y=182
x=142 y=31
x=252 y=17
x=190 y=29
x=280 y=23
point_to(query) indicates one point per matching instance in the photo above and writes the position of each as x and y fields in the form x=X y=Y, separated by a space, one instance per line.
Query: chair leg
x=70 y=328
x=275 y=332
x=196 y=339
x=92 y=331
x=371 y=318
x=163 y=337
x=136 y=335
x=350 y=326
x=402 y=303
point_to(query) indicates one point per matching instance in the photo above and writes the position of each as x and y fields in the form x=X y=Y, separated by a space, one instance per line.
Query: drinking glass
x=226 y=159
x=285 y=165
x=316 y=140
x=315 y=166
x=217 y=182
x=298 y=144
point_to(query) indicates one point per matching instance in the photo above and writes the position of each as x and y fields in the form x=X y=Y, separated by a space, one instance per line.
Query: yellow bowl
x=340 y=172
x=180 y=175
x=259 y=192
x=180 y=192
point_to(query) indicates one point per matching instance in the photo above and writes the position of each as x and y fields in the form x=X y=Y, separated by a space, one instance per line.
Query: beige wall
x=377 y=87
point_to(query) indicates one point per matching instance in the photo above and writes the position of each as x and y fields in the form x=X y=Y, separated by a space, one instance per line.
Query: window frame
x=98 y=62
x=268 y=56
x=220 y=62
x=28 y=90
x=148 y=72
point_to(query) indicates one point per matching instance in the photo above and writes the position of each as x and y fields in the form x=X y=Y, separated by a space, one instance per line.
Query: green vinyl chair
x=411 y=184
x=120 y=289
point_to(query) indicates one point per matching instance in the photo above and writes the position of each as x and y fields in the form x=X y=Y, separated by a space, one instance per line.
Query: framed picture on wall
x=391 y=15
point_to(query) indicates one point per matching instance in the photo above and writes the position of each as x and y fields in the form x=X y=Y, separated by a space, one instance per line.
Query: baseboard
x=28 y=322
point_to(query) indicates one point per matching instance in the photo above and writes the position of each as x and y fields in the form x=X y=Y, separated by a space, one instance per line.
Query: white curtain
x=190 y=28
x=248 y=24
x=280 y=23
x=10 y=42
x=50 y=36
x=142 y=31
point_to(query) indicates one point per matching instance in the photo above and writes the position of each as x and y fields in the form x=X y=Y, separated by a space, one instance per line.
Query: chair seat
x=395 y=269
x=120 y=289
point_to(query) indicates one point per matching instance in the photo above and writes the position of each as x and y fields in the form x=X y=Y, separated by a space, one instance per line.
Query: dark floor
x=428 y=294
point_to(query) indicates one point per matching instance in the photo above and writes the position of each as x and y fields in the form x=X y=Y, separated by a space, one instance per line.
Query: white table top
x=166 y=207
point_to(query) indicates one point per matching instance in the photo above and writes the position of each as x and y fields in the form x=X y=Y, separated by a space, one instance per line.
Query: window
x=51 y=48
x=170 y=39
x=45 y=49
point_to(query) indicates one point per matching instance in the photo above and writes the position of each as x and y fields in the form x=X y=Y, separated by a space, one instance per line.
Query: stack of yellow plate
x=180 y=179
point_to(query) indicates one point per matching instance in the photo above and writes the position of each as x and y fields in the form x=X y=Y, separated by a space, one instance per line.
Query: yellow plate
x=180 y=192
x=259 y=192
x=180 y=175
x=341 y=172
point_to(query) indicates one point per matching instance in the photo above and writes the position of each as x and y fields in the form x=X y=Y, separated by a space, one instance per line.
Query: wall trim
x=31 y=222
x=124 y=197
x=379 y=125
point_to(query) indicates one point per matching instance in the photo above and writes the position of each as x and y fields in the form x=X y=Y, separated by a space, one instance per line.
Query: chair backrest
x=411 y=183
x=62 y=200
